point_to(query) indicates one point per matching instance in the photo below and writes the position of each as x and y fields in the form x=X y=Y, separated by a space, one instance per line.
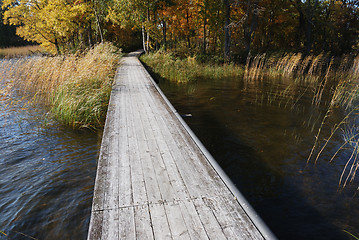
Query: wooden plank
x=192 y=220
x=209 y=221
x=170 y=154
x=160 y=224
x=125 y=184
x=181 y=173
x=199 y=161
x=126 y=224
x=176 y=221
x=152 y=189
x=164 y=184
x=110 y=225
x=156 y=150
x=102 y=164
x=139 y=193
x=232 y=218
x=111 y=192
x=95 y=228
x=143 y=223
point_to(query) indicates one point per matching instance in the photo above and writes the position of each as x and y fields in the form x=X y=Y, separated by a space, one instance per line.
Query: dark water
x=262 y=135
x=47 y=173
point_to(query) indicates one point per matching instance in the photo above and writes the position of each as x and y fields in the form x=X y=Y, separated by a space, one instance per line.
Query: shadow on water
x=280 y=204
x=264 y=150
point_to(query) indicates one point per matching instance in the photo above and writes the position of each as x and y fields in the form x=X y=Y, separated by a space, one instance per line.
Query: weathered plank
x=155 y=180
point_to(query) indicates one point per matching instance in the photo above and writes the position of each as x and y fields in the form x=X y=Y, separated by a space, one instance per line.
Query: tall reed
x=76 y=87
x=16 y=52
x=344 y=95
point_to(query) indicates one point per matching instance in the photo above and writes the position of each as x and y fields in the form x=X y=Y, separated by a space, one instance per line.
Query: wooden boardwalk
x=155 y=180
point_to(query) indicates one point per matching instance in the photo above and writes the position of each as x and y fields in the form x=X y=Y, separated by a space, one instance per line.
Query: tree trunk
x=227 y=33
x=98 y=24
x=204 y=35
x=306 y=16
x=144 y=39
x=90 y=36
x=308 y=28
x=148 y=31
x=188 y=31
x=310 y=10
x=148 y=41
x=164 y=31
x=57 y=46
x=250 y=29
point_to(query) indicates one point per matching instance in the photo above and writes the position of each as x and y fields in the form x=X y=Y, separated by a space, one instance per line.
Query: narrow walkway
x=155 y=180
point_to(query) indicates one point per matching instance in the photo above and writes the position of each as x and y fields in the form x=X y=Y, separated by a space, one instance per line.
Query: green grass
x=188 y=69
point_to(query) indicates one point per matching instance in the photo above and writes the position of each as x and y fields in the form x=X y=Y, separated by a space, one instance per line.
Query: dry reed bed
x=76 y=87
x=16 y=52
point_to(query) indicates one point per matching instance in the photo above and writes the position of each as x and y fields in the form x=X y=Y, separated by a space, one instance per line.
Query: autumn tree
x=225 y=27
x=8 y=35
x=55 y=24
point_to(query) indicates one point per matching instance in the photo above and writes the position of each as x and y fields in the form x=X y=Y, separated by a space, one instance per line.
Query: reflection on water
x=46 y=173
x=262 y=135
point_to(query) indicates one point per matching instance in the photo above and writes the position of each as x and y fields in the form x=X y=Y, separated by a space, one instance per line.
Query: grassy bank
x=16 y=52
x=75 y=87
x=167 y=66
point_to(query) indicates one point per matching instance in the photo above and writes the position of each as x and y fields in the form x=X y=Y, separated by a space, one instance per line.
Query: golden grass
x=294 y=66
x=16 y=52
x=76 y=87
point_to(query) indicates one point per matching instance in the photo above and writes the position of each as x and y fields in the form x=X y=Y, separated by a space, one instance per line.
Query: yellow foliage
x=47 y=22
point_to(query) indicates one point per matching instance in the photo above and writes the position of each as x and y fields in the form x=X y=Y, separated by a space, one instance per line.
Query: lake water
x=261 y=135
x=47 y=173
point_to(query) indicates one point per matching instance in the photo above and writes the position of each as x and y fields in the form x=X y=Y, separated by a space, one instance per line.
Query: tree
x=8 y=35
x=55 y=24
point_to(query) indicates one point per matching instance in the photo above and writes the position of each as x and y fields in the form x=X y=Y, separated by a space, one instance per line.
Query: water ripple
x=47 y=175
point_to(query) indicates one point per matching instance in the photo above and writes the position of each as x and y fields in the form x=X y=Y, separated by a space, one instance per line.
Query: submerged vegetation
x=76 y=87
